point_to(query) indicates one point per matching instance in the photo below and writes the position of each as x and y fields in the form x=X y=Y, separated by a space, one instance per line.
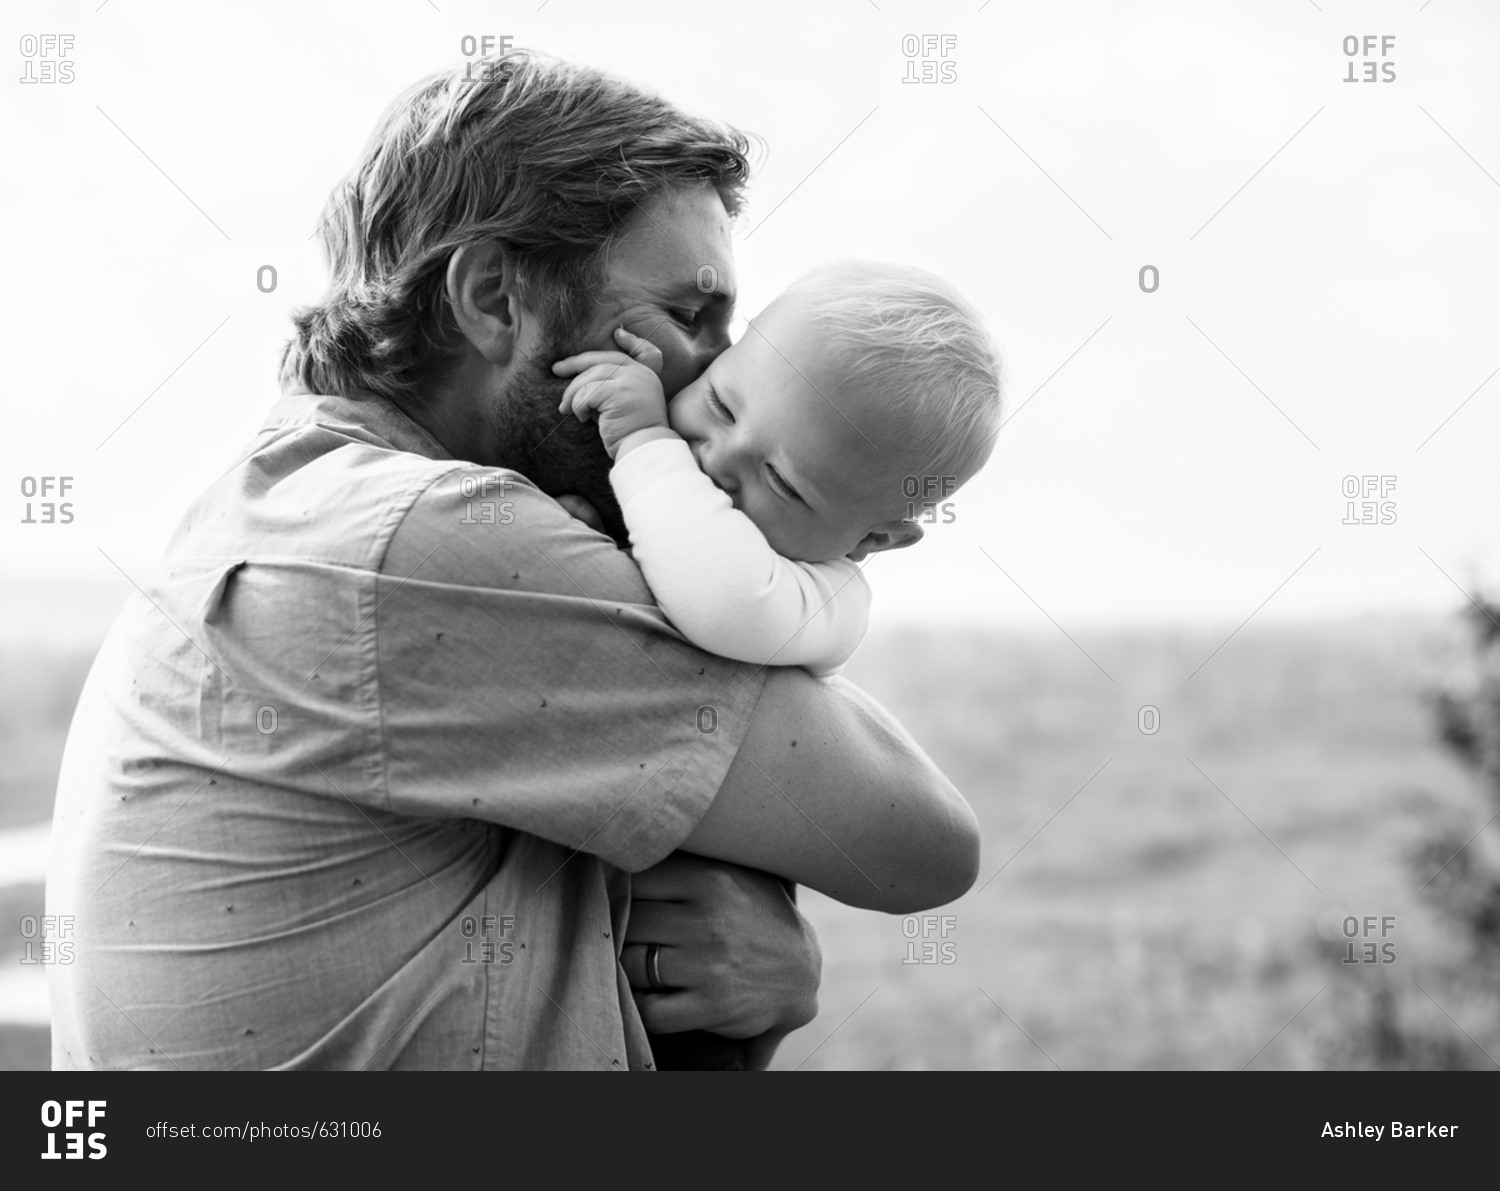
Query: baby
x=809 y=445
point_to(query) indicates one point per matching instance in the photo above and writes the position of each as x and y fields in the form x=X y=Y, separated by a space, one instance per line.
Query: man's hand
x=737 y=957
x=623 y=391
x=583 y=510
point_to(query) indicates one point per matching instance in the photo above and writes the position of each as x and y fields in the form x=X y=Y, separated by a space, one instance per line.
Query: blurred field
x=1152 y=921
x=1155 y=921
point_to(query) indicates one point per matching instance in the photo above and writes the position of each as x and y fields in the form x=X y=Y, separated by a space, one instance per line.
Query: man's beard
x=556 y=452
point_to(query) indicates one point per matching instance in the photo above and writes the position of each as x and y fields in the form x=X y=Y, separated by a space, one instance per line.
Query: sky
x=1320 y=258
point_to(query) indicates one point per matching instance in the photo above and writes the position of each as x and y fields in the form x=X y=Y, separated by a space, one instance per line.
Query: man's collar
x=361 y=415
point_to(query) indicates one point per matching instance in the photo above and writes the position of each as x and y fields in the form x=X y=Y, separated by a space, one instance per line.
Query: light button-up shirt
x=316 y=814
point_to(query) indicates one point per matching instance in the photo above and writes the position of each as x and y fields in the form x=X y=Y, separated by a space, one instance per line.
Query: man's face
x=670 y=279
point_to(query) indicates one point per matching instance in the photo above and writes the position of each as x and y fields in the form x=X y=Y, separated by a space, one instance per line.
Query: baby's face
x=770 y=426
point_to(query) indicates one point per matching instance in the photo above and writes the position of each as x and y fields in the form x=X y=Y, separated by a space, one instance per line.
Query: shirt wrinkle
x=316 y=814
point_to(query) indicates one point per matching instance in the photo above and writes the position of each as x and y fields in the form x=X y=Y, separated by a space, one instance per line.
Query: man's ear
x=480 y=288
x=893 y=535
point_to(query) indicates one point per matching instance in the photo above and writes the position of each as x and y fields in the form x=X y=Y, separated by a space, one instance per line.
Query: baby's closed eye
x=780 y=485
x=718 y=406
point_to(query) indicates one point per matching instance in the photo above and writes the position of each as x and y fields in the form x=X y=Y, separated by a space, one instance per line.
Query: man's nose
x=697 y=359
x=682 y=367
x=713 y=343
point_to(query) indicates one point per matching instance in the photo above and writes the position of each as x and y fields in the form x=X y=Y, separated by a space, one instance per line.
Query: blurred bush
x=1447 y=1018
x=1466 y=881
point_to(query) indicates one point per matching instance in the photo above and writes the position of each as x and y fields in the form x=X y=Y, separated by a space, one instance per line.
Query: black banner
x=421 y=1123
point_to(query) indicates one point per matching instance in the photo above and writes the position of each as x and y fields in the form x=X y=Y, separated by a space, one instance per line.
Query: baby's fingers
x=584 y=391
x=575 y=398
x=643 y=351
x=585 y=360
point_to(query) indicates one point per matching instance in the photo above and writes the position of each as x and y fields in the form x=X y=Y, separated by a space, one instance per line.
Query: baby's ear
x=893 y=535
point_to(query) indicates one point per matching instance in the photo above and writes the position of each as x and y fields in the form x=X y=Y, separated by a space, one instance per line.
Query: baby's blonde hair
x=913 y=343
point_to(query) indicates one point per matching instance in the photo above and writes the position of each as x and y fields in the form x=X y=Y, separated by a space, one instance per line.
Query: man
x=360 y=780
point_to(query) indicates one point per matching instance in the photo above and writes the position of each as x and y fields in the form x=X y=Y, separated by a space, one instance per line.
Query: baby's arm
x=717 y=578
x=709 y=566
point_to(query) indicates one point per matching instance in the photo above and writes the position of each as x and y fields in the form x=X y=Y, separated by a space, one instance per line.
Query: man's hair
x=910 y=344
x=548 y=159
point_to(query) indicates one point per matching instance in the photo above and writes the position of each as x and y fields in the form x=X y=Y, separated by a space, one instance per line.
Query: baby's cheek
x=795 y=542
x=684 y=412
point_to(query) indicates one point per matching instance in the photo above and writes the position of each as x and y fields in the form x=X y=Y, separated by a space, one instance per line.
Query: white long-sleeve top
x=717 y=578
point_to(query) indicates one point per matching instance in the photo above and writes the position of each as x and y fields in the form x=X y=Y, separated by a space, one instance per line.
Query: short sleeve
x=525 y=677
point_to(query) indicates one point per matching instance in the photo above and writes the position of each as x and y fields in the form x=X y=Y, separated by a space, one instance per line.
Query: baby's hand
x=623 y=390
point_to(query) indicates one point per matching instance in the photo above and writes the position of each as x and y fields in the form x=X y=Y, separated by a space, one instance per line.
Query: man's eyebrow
x=686 y=289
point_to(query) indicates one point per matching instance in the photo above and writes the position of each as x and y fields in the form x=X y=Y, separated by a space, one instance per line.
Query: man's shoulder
x=353 y=481
x=323 y=481
x=492 y=528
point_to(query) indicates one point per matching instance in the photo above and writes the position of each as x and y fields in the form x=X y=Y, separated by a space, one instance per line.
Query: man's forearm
x=829 y=791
